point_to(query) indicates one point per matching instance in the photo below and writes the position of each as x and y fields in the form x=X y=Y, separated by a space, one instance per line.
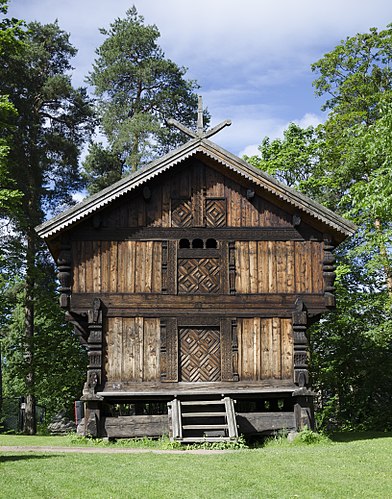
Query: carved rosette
x=300 y=320
x=94 y=351
x=329 y=275
x=64 y=275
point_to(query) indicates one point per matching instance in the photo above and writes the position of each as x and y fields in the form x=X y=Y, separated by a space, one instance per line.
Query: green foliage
x=346 y=165
x=44 y=135
x=137 y=89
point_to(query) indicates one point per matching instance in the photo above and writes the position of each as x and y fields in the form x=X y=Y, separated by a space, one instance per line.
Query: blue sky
x=251 y=57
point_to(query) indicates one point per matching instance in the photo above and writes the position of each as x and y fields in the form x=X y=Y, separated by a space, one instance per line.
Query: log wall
x=279 y=267
x=265 y=349
x=132 y=349
x=117 y=266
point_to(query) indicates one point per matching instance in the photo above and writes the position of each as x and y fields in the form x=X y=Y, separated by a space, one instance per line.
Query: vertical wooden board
x=140 y=262
x=290 y=269
x=257 y=348
x=254 y=213
x=166 y=213
x=121 y=259
x=245 y=208
x=184 y=189
x=139 y=328
x=96 y=266
x=272 y=267
x=105 y=269
x=281 y=267
x=276 y=349
x=154 y=207
x=287 y=348
x=113 y=267
x=300 y=270
x=75 y=266
x=308 y=266
x=123 y=215
x=317 y=267
x=242 y=267
x=260 y=204
x=245 y=350
x=228 y=194
x=198 y=184
x=128 y=347
x=237 y=207
x=89 y=263
x=148 y=251
x=141 y=211
x=82 y=267
x=114 y=349
x=132 y=213
x=253 y=274
x=262 y=267
x=151 y=349
x=266 y=348
x=156 y=283
x=215 y=185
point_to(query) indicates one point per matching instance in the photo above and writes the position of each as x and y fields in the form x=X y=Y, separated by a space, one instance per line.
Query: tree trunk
x=30 y=425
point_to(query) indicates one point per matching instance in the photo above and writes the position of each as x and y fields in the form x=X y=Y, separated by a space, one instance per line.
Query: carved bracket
x=94 y=351
x=300 y=321
x=329 y=275
x=65 y=275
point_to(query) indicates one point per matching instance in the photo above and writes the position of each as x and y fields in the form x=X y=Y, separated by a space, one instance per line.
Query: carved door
x=200 y=354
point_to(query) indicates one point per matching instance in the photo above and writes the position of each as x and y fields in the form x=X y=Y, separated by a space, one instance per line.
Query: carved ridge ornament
x=200 y=133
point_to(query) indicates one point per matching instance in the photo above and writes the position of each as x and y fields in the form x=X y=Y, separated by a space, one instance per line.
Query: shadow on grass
x=353 y=436
x=24 y=457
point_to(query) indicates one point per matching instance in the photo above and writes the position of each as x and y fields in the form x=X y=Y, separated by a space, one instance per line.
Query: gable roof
x=194 y=147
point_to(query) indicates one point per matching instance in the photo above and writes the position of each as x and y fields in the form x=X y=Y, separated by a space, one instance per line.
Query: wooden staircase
x=203 y=420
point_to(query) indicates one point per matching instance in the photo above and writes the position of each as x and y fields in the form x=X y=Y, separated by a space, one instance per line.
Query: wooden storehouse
x=192 y=283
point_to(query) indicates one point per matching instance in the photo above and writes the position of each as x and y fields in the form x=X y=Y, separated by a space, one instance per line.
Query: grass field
x=352 y=466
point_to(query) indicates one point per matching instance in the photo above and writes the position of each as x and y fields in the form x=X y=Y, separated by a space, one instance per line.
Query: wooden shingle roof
x=198 y=146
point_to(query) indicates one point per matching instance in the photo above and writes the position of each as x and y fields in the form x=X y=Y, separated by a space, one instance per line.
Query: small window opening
x=211 y=243
x=197 y=243
x=184 y=243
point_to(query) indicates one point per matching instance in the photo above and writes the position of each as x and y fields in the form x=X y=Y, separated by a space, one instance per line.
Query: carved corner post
x=234 y=349
x=94 y=370
x=232 y=289
x=64 y=265
x=329 y=272
x=303 y=397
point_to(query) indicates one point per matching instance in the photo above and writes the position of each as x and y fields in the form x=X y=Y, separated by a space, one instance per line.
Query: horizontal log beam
x=222 y=234
x=155 y=304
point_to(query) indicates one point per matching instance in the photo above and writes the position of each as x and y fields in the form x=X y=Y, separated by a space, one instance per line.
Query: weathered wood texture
x=265 y=349
x=135 y=426
x=131 y=349
x=117 y=267
x=264 y=422
x=195 y=196
x=279 y=267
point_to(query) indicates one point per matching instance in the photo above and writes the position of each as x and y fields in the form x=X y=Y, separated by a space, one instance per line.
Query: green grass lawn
x=354 y=466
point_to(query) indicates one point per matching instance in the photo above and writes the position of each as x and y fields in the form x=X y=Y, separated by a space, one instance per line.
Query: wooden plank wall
x=265 y=349
x=279 y=267
x=117 y=266
x=191 y=182
x=132 y=349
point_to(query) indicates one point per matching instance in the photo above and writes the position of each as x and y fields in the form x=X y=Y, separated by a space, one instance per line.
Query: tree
x=53 y=120
x=137 y=89
x=348 y=168
x=9 y=42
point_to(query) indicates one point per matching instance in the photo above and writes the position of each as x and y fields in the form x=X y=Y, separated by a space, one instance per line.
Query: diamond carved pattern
x=181 y=213
x=200 y=357
x=198 y=275
x=215 y=212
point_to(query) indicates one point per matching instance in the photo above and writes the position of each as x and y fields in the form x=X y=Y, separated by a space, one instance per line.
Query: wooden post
x=329 y=272
x=300 y=320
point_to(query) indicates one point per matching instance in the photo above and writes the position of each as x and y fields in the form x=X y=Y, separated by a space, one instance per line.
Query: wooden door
x=200 y=354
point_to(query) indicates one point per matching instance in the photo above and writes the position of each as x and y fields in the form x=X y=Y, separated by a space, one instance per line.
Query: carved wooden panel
x=200 y=356
x=215 y=212
x=198 y=275
x=182 y=213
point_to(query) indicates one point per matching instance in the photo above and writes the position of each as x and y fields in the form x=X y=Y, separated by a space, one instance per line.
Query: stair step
x=206 y=439
x=204 y=426
x=201 y=402
x=203 y=414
